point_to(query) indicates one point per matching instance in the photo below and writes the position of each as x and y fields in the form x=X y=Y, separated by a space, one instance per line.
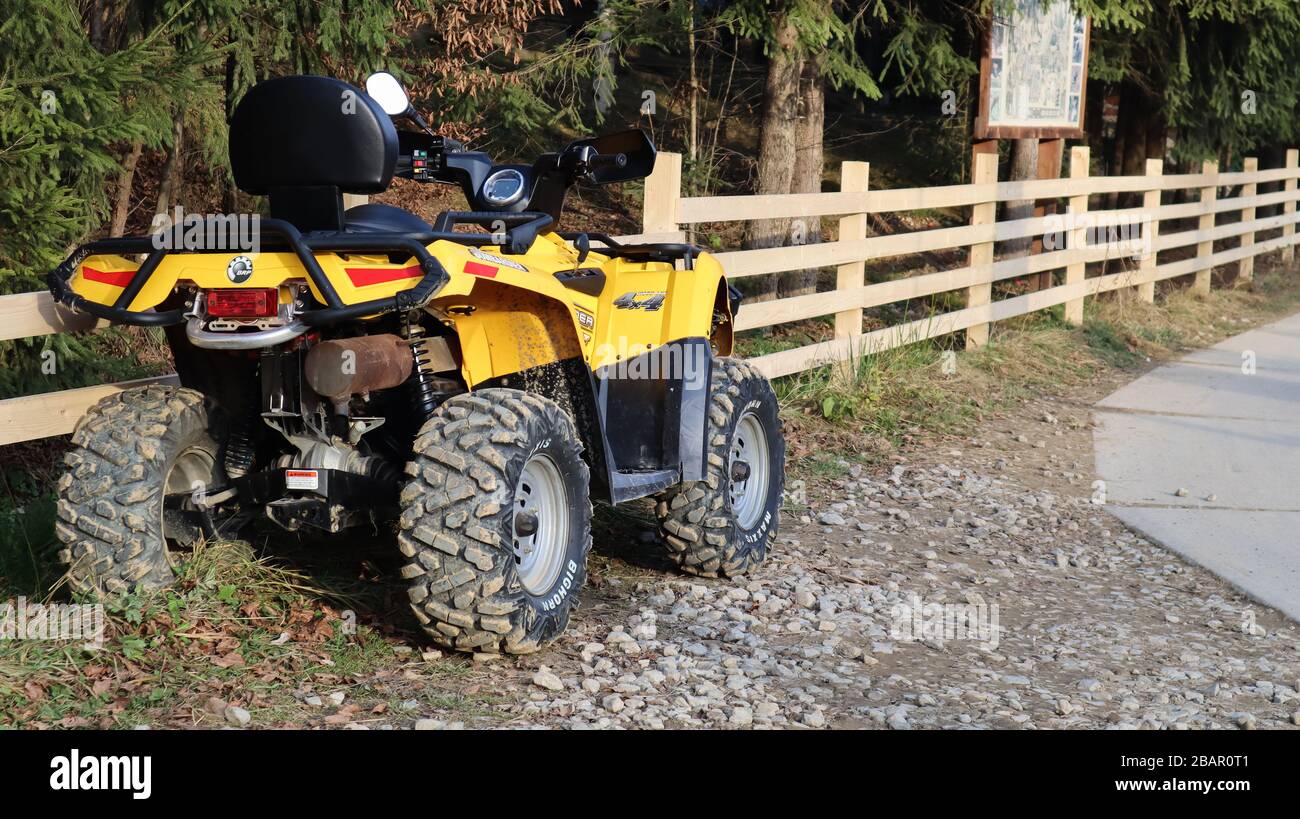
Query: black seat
x=305 y=141
x=379 y=218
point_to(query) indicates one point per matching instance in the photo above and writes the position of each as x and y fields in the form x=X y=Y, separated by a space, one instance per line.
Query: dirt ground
x=1096 y=627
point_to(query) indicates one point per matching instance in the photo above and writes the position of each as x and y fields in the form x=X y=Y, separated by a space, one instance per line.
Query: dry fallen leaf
x=232 y=660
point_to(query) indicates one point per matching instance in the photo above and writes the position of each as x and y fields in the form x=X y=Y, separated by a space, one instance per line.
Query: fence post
x=1077 y=238
x=1246 y=266
x=1288 y=207
x=1206 y=222
x=1146 y=290
x=663 y=191
x=984 y=172
x=852 y=275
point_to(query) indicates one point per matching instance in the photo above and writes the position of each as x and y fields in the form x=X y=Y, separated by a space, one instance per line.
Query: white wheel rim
x=539 y=557
x=193 y=472
x=749 y=447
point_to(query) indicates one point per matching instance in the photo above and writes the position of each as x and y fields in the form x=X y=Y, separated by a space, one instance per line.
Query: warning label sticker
x=301 y=479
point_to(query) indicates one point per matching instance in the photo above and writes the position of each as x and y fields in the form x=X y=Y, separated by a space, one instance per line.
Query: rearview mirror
x=633 y=144
x=387 y=90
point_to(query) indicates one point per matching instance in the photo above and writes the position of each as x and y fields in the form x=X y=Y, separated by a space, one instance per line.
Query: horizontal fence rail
x=666 y=213
x=667 y=210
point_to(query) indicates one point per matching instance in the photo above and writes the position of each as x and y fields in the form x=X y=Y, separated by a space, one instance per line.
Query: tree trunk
x=692 y=147
x=1094 y=119
x=98 y=27
x=1115 y=160
x=1137 y=110
x=777 y=145
x=808 y=166
x=1024 y=166
x=170 y=184
x=1156 y=138
x=229 y=193
x=122 y=202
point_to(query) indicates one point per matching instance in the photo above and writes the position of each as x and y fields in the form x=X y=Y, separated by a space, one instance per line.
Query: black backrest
x=305 y=141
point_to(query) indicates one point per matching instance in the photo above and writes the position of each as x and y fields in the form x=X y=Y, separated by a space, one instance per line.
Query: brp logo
x=240 y=269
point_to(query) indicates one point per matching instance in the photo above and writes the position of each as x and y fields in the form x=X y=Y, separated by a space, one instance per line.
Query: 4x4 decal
x=641 y=300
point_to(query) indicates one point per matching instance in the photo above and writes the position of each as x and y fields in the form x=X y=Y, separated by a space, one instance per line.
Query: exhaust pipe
x=341 y=368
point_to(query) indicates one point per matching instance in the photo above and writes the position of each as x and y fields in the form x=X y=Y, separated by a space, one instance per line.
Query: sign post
x=1033 y=85
x=1033 y=73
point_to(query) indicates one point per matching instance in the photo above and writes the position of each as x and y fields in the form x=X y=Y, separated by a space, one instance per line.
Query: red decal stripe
x=117 y=278
x=476 y=269
x=363 y=276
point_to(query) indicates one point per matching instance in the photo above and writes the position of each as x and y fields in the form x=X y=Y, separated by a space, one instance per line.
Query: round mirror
x=387 y=90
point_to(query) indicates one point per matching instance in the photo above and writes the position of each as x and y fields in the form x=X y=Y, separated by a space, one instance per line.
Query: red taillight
x=259 y=302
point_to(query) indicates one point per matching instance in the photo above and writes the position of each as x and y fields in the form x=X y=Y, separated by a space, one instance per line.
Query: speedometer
x=504 y=187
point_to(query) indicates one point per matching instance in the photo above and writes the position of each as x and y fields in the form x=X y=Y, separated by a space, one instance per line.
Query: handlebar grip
x=607 y=161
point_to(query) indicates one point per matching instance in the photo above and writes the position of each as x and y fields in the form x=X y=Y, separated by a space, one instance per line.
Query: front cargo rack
x=657 y=252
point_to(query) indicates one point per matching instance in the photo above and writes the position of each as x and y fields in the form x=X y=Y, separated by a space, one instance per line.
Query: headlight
x=504 y=187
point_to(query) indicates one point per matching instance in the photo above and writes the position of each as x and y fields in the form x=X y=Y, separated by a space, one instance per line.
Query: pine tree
x=65 y=107
x=1220 y=76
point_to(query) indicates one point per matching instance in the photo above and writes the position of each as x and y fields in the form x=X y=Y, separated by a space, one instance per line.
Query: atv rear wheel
x=724 y=524
x=130 y=451
x=496 y=521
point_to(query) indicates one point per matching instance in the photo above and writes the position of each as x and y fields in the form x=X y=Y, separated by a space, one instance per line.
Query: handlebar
x=539 y=187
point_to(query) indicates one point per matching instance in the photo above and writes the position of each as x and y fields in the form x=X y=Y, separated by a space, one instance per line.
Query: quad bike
x=476 y=386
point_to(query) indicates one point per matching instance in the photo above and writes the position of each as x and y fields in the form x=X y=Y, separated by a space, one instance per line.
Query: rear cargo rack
x=522 y=231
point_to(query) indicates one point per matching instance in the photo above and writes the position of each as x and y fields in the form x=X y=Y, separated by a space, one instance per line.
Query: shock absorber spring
x=239 y=451
x=424 y=395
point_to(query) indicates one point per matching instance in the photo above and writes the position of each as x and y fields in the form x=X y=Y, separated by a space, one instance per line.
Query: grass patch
x=236 y=628
x=27 y=543
x=753 y=343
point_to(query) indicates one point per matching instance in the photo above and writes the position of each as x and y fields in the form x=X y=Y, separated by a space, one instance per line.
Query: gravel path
x=1094 y=626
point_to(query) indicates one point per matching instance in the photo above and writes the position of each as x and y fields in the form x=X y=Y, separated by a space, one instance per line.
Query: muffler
x=341 y=368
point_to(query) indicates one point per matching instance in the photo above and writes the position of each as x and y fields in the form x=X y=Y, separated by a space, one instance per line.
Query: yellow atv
x=477 y=381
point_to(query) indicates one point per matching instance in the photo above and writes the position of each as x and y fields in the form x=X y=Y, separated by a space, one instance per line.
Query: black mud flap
x=642 y=420
x=652 y=409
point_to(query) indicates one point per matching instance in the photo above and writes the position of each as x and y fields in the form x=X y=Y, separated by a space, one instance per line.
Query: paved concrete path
x=1231 y=439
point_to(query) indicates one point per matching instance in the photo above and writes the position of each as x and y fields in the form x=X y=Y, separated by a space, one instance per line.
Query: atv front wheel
x=724 y=524
x=130 y=451
x=496 y=521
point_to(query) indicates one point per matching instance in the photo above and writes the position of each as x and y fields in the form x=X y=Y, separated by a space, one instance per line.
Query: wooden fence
x=666 y=211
